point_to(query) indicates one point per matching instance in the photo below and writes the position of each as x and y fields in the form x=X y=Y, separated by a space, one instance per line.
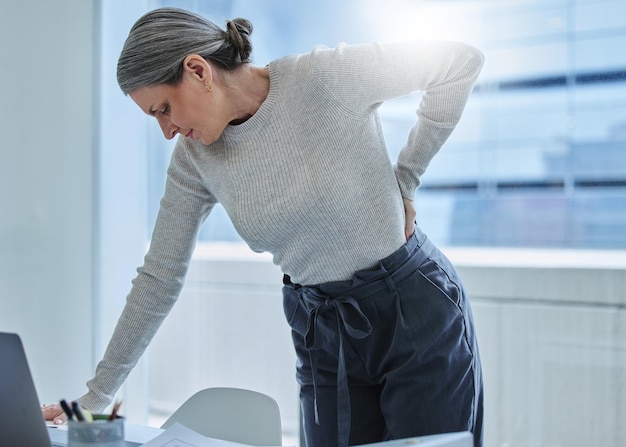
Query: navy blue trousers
x=390 y=354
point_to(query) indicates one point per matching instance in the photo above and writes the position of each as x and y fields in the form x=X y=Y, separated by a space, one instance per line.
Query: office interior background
x=528 y=198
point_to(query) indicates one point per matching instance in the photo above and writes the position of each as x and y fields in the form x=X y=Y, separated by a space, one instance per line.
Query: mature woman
x=295 y=153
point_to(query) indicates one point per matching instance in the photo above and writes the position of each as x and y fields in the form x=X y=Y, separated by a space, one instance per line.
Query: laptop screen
x=22 y=423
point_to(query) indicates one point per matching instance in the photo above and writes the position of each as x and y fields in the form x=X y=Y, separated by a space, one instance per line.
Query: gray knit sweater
x=307 y=178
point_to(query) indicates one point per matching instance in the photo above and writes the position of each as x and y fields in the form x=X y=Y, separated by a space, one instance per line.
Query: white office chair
x=231 y=414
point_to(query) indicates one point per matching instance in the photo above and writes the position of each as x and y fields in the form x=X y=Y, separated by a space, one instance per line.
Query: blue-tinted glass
x=539 y=157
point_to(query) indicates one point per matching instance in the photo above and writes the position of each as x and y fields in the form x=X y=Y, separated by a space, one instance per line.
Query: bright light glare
x=414 y=19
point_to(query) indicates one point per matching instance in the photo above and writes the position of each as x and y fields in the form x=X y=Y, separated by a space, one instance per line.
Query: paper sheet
x=180 y=436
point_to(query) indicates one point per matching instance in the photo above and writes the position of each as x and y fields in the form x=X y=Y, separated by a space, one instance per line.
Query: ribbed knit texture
x=307 y=178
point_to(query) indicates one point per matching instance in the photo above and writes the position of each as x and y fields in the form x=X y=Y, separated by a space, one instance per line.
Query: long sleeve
x=440 y=110
x=444 y=71
x=157 y=286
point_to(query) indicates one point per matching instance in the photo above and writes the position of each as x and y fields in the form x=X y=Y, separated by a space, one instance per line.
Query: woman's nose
x=167 y=127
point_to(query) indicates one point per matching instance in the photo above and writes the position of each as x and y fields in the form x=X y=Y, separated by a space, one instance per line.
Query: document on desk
x=180 y=436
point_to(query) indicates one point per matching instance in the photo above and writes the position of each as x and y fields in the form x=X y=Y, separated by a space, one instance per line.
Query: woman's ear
x=197 y=67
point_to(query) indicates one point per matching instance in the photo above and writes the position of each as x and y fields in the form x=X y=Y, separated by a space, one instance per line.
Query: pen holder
x=99 y=433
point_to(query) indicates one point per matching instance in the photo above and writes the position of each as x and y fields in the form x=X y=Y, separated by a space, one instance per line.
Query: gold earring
x=209 y=88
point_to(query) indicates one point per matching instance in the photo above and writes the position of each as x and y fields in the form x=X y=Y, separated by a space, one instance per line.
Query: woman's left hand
x=54 y=413
x=409 y=218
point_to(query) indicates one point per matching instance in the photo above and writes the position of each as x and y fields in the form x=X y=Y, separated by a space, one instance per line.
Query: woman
x=295 y=153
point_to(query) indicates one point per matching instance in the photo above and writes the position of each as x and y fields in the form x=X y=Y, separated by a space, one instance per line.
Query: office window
x=545 y=165
x=539 y=158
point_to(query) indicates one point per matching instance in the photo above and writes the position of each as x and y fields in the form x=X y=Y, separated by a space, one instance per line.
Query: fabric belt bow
x=353 y=321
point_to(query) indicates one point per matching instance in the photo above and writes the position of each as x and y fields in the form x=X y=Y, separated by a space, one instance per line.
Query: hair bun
x=238 y=35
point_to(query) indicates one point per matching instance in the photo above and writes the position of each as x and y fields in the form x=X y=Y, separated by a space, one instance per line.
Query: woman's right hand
x=409 y=218
x=54 y=413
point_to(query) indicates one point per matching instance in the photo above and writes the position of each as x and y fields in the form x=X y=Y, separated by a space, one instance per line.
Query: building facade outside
x=539 y=157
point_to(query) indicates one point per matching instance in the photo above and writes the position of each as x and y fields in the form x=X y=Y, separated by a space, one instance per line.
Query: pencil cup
x=99 y=433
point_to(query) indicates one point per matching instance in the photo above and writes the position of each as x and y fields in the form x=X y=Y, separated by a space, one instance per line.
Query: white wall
x=47 y=187
x=552 y=334
x=73 y=213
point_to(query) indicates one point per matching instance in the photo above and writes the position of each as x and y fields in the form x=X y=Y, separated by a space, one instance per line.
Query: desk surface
x=132 y=432
x=141 y=434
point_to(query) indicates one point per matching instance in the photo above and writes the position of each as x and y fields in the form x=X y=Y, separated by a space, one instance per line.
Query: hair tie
x=233 y=36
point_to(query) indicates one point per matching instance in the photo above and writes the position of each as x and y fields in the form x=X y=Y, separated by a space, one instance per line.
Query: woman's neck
x=249 y=87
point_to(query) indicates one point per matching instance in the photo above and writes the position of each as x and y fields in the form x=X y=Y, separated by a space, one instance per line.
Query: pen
x=116 y=407
x=78 y=412
x=67 y=410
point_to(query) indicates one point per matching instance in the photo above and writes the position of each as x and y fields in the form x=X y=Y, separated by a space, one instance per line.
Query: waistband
x=371 y=281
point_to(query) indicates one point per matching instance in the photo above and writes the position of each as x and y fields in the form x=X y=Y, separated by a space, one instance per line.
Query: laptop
x=22 y=423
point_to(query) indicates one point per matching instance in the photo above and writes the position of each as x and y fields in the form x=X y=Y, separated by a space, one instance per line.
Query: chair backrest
x=231 y=414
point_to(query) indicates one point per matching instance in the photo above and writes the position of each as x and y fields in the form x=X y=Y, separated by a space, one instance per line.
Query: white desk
x=139 y=434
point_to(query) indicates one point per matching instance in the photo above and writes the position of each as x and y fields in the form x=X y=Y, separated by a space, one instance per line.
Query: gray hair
x=161 y=39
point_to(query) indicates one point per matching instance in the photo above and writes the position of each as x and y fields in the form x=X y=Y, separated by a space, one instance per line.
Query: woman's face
x=188 y=108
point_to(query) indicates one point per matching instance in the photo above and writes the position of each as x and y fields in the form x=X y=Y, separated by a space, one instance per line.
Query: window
x=539 y=157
